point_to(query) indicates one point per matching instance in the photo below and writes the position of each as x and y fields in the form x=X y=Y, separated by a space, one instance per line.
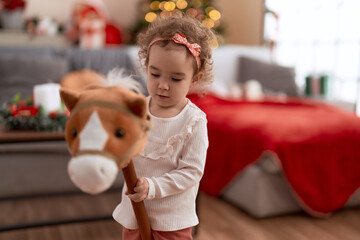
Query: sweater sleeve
x=190 y=166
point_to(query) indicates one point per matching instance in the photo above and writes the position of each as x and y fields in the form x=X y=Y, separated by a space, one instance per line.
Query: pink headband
x=194 y=48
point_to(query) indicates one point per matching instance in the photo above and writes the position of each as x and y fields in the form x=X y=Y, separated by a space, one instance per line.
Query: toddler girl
x=176 y=55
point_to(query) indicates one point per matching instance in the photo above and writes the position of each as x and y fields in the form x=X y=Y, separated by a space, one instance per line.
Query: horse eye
x=119 y=133
x=74 y=132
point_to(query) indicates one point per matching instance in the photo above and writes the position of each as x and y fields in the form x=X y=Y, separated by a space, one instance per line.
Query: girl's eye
x=176 y=79
x=155 y=75
x=119 y=133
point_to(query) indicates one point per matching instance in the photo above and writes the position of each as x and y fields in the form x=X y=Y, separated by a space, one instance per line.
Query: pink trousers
x=183 y=234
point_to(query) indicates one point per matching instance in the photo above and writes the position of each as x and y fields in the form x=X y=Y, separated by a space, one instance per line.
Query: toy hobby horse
x=107 y=127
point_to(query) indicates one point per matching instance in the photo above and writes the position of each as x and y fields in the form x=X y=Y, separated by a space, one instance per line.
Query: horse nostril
x=102 y=170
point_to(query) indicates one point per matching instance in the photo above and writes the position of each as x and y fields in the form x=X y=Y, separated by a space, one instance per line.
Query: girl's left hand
x=141 y=190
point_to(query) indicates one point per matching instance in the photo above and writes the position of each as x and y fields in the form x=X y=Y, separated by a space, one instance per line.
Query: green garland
x=38 y=120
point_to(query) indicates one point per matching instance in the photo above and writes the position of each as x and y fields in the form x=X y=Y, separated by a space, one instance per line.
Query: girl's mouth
x=162 y=96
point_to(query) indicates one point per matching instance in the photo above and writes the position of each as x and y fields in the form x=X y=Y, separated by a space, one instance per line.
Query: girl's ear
x=197 y=78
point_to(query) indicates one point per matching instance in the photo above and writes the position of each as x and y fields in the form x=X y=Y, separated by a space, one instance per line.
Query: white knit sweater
x=173 y=163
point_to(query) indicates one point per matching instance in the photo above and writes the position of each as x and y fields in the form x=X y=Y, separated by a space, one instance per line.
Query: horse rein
x=120 y=108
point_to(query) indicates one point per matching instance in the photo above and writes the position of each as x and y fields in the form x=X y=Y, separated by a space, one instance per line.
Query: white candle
x=47 y=95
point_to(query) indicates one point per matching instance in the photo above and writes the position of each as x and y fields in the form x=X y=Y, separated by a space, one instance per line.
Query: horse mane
x=119 y=78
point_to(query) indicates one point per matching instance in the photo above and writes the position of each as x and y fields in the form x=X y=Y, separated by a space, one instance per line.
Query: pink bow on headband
x=194 y=48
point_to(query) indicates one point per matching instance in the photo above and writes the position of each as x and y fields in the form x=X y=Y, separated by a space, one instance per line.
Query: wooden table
x=26 y=136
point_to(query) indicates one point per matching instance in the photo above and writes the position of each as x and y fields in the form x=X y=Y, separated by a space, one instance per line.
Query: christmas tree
x=199 y=9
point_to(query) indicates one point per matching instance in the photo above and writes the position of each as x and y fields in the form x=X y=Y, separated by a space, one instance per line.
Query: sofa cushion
x=273 y=78
x=34 y=51
x=100 y=60
x=20 y=73
x=104 y=60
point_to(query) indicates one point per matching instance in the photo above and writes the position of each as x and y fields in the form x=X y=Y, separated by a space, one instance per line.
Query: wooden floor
x=218 y=220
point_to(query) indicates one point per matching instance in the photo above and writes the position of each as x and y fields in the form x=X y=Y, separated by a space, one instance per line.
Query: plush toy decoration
x=92 y=29
x=107 y=127
x=90 y=26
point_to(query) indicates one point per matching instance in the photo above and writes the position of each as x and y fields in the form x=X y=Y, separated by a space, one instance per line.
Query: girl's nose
x=163 y=84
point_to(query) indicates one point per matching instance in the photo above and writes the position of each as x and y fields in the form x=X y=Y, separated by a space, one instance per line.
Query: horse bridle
x=120 y=108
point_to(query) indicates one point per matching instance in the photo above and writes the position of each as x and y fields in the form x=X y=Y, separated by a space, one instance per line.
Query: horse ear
x=138 y=106
x=69 y=97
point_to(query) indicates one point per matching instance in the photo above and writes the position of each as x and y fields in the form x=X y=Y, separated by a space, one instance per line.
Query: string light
x=154 y=5
x=208 y=22
x=214 y=15
x=196 y=3
x=195 y=8
x=191 y=12
x=165 y=14
x=169 y=6
x=181 y=4
x=150 y=17
x=161 y=6
x=177 y=12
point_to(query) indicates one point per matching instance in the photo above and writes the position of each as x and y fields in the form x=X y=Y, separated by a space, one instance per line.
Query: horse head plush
x=107 y=127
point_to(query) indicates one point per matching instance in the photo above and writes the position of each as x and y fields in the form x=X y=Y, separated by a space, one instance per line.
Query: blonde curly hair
x=188 y=26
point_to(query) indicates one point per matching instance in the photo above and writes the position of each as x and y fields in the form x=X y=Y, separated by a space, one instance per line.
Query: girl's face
x=170 y=75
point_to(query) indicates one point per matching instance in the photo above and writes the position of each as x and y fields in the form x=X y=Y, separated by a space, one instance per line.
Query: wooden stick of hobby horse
x=139 y=207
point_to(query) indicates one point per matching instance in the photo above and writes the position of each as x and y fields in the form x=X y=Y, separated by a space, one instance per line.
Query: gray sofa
x=22 y=68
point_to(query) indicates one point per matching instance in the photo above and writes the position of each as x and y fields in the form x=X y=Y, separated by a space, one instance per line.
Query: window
x=318 y=37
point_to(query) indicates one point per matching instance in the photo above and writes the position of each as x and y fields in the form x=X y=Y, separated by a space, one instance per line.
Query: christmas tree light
x=202 y=10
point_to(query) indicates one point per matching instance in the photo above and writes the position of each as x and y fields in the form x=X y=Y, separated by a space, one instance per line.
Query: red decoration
x=13 y=4
x=113 y=35
x=25 y=112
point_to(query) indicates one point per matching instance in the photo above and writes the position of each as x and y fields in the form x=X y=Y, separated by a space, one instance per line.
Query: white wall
x=243 y=20
x=59 y=10
x=123 y=12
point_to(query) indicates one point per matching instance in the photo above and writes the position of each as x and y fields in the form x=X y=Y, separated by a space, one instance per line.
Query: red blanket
x=318 y=146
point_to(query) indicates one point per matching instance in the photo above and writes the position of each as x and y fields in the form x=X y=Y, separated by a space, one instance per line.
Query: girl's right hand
x=141 y=190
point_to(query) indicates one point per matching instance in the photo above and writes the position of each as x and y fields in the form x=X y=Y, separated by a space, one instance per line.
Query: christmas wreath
x=21 y=114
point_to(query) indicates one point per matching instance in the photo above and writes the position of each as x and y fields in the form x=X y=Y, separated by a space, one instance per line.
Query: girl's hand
x=141 y=190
